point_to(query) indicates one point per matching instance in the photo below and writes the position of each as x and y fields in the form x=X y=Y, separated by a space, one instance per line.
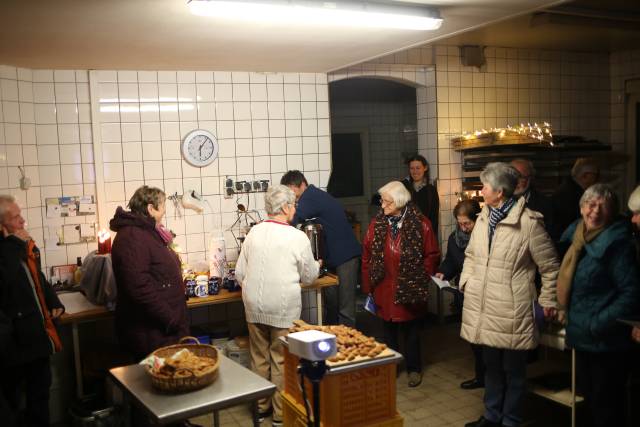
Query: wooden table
x=222 y=298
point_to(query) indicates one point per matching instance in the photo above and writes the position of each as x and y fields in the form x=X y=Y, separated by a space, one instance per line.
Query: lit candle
x=104 y=242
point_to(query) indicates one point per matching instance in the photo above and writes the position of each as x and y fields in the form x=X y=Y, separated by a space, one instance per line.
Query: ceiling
x=162 y=34
x=582 y=25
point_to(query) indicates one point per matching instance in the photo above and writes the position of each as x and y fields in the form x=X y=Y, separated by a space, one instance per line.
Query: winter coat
x=151 y=308
x=23 y=337
x=605 y=288
x=427 y=200
x=451 y=267
x=566 y=206
x=498 y=283
x=385 y=291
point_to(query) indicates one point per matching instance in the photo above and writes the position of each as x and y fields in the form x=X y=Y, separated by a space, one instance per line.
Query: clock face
x=200 y=148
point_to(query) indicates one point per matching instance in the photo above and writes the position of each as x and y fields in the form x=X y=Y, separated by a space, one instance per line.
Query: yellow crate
x=364 y=396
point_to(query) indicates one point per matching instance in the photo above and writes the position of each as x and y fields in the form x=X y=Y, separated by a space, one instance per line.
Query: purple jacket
x=151 y=309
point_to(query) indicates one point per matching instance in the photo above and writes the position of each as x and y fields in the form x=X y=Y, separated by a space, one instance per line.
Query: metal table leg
x=216 y=418
x=255 y=414
x=76 y=360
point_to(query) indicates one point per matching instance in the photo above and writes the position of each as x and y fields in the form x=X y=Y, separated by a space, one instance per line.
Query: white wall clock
x=200 y=148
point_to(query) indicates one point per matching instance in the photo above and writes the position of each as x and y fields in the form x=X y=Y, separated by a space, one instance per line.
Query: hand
x=22 y=234
x=549 y=313
x=635 y=334
x=321 y=262
x=56 y=312
x=439 y=276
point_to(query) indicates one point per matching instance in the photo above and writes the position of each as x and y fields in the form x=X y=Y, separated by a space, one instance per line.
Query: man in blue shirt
x=342 y=250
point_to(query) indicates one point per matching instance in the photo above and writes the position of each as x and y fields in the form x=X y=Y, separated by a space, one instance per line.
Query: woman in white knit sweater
x=274 y=260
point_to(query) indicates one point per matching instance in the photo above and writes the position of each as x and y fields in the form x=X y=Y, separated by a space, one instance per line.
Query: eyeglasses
x=386 y=202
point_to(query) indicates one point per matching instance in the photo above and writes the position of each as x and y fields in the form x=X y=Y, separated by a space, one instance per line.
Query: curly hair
x=144 y=196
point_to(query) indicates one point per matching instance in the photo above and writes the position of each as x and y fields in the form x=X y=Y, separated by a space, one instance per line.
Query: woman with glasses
x=400 y=252
x=465 y=213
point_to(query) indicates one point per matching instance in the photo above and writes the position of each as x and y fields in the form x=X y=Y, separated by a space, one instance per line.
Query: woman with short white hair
x=400 y=253
x=598 y=284
x=274 y=260
x=508 y=244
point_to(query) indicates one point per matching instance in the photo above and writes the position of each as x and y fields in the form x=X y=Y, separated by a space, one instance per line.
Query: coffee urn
x=314 y=232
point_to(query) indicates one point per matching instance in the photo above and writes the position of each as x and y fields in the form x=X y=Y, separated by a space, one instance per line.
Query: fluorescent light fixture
x=366 y=14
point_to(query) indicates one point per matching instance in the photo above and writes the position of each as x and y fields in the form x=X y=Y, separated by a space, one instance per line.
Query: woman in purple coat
x=151 y=308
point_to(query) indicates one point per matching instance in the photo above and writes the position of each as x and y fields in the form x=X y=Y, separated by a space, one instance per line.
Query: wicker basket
x=193 y=381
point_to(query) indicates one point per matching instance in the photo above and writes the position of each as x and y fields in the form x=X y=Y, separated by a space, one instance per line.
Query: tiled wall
x=45 y=128
x=569 y=90
x=266 y=124
x=624 y=68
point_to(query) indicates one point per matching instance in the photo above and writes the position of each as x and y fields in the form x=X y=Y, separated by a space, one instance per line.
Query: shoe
x=415 y=378
x=265 y=414
x=482 y=422
x=472 y=384
x=277 y=423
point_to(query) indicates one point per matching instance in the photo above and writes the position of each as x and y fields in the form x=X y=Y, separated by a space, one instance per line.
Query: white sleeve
x=242 y=264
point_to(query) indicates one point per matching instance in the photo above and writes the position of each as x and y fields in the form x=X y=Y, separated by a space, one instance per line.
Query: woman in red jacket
x=400 y=253
x=151 y=309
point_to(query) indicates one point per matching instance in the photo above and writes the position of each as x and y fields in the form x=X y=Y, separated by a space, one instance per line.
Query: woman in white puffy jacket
x=507 y=246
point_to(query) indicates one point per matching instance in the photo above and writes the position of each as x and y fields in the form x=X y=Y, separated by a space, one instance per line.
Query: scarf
x=568 y=267
x=461 y=238
x=165 y=234
x=396 y=223
x=33 y=254
x=417 y=186
x=498 y=214
x=412 y=278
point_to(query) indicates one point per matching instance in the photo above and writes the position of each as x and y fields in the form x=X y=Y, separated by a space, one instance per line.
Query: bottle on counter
x=77 y=275
x=217 y=254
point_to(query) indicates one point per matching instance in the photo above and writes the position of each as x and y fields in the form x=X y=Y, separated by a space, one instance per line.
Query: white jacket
x=498 y=284
x=274 y=260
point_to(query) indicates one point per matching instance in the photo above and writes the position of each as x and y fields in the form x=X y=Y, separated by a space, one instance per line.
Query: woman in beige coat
x=507 y=246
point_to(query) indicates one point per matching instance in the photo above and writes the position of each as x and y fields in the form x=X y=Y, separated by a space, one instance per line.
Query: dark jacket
x=605 y=287
x=566 y=206
x=385 y=291
x=427 y=200
x=151 y=310
x=340 y=242
x=451 y=267
x=538 y=202
x=22 y=334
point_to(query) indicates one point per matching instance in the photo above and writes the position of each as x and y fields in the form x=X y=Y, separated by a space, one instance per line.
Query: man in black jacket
x=28 y=306
x=535 y=200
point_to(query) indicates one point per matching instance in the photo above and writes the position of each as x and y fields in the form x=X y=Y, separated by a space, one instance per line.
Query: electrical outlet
x=264 y=184
x=228 y=183
x=256 y=186
x=247 y=187
x=228 y=193
x=240 y=185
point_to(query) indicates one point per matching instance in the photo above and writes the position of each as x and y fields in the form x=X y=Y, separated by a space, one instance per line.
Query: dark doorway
x=347 y=178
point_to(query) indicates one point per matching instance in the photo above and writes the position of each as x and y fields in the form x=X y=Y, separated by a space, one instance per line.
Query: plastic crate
x=294 y=415
x=365 y=396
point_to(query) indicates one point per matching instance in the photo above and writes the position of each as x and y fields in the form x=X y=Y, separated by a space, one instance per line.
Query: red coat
x=385 y=291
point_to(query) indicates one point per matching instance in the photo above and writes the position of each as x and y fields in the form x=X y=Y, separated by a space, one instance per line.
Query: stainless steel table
x=235 y=384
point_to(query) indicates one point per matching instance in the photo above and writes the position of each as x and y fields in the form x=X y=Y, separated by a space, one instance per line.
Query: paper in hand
x=369 y=304
x=441 y=283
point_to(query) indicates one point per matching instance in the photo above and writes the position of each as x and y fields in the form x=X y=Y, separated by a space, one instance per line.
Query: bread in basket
x=190 y=370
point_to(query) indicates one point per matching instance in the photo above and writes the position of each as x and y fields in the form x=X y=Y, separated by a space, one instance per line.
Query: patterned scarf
x=33 y=255
x=395 y=223
x=498 y=214
x=412 y=278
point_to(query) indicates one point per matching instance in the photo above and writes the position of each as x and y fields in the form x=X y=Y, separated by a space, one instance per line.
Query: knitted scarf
x=412 y=278
x=461 y=238
x=498 y=214
x=32 y=262
x=568 y=267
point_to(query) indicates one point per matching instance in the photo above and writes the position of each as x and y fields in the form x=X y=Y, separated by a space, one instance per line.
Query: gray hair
x=601 y=191
x=527 y=163
x=398 y=192
x=584 y=165
x=634 y=200
x=5 y=201
x=500 y=176
x=276 y=197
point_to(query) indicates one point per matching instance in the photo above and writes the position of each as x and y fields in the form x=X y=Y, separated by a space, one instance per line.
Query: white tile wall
x=45 y=125
x=44 y=115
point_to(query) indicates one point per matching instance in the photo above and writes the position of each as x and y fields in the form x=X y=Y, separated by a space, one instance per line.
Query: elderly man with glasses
x=534 y=200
